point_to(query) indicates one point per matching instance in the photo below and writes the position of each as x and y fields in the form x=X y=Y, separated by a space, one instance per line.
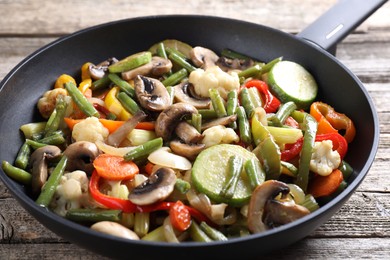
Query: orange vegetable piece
x=321 y=186
x=180 y=216
x=114 y=167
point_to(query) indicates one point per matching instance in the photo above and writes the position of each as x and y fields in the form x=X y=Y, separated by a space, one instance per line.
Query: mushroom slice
x=81 y=155
x=283 y=212
x=219 y=121
x=183 y=94
x=156 y=188
x=227 y=64
x=168 y=119
x=151 y=93
x=203 y=57
x=38 y=161
x=187 y=133
x=156 y=67
x=98 y=71
x=190 y=151
x=268 y=190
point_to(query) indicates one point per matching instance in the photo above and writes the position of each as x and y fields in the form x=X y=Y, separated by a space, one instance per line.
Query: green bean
x=80 y=100
x=182 y=186
x=23 y=156
x=255 y=173
x=228 y=53
x=310 y=128
x=231 y=106
x=250 y=72
x=197 y=234
x=196 y=121
x=55 y=138
x=208 y=113
x=51 y=184
x=122 y=84
x=16 y=173
x=213 y=233
x=235 y=166
x=161 y=50
x=268 y=66
x=101 y=83
x=181 y=62
x=243 y=125
x=175 y=78
x=247 y=102
x=128 y=103
x=176 y=52
x=59 y=113
x=283 y=113
x=218 y=102
x=144 y=149
x=346 y=169
x=93 y=215
x=34 y=144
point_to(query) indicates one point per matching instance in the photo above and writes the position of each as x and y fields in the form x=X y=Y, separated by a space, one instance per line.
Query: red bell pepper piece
x=129 y=207
x=340 y=144
x=291 y=150
x=271 y=103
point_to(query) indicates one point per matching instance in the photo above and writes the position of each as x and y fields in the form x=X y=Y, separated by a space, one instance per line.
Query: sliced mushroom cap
x=268 y=190
x=98 y=71
x=184 y=94
x=169 y=118
x=227 y=64
x=38 y=161
x=156 y=188
x=188 y=133
x=151 y=93
x=80 y=156
x=156 y=67
x=190 y=151
x=114 y=229
x=283 y=212
x=203 y=57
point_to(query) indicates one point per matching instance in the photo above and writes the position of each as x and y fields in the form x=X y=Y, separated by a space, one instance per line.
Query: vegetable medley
x=177 y=143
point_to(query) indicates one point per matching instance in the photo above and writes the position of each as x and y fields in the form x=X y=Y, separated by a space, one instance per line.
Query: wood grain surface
x=361 y=229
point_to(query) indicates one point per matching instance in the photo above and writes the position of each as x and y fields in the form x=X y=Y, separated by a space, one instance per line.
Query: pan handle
x=340 y=20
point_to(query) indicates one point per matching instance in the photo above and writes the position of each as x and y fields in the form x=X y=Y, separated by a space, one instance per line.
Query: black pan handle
x=340 y=20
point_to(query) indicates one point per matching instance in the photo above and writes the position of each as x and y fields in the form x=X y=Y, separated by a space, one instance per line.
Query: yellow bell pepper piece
x=85 y=71
x=114 y=106
x=85 y=85
x=64 y=78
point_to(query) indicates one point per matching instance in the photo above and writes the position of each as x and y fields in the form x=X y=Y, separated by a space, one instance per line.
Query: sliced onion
x=108 y=149
x=166 y=158
x=116 y=138
x=94 y=100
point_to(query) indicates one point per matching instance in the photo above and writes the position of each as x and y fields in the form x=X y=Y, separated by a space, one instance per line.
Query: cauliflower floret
x=219 y=135
x=214 y=77
x=71 y=193
x=324 y=160
x=47 y=102
x=89 y=129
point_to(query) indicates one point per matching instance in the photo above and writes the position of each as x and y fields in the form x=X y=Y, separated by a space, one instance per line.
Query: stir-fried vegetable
x=177 y=143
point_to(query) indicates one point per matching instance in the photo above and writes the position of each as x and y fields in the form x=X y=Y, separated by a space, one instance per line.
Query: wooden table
x=361 y=229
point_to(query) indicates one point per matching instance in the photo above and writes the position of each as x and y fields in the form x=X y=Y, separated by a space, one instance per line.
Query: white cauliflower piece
x=47 y=102
x=89 y=129
x=324 y=160
x=214 y=77
x=71 y=193
x=219 y=135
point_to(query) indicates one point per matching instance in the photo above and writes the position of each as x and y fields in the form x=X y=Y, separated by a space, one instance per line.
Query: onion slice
x=166 y=158
x=116 y=138
x=108 y=149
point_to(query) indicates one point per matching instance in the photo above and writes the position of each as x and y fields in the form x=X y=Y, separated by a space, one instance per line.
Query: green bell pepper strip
x=309 y=125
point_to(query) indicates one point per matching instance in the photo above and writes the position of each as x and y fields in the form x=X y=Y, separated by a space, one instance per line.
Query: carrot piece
x=146 y=126
x=180 y=216
x=114 y=167
x=149 y=168
x=325 y=185
x=70 y=122
x=111 y=125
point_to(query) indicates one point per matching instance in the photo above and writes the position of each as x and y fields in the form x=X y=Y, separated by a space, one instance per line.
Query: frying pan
x=25 y=84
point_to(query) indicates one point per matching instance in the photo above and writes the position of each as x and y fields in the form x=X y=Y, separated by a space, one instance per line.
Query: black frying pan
x=25 y=84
